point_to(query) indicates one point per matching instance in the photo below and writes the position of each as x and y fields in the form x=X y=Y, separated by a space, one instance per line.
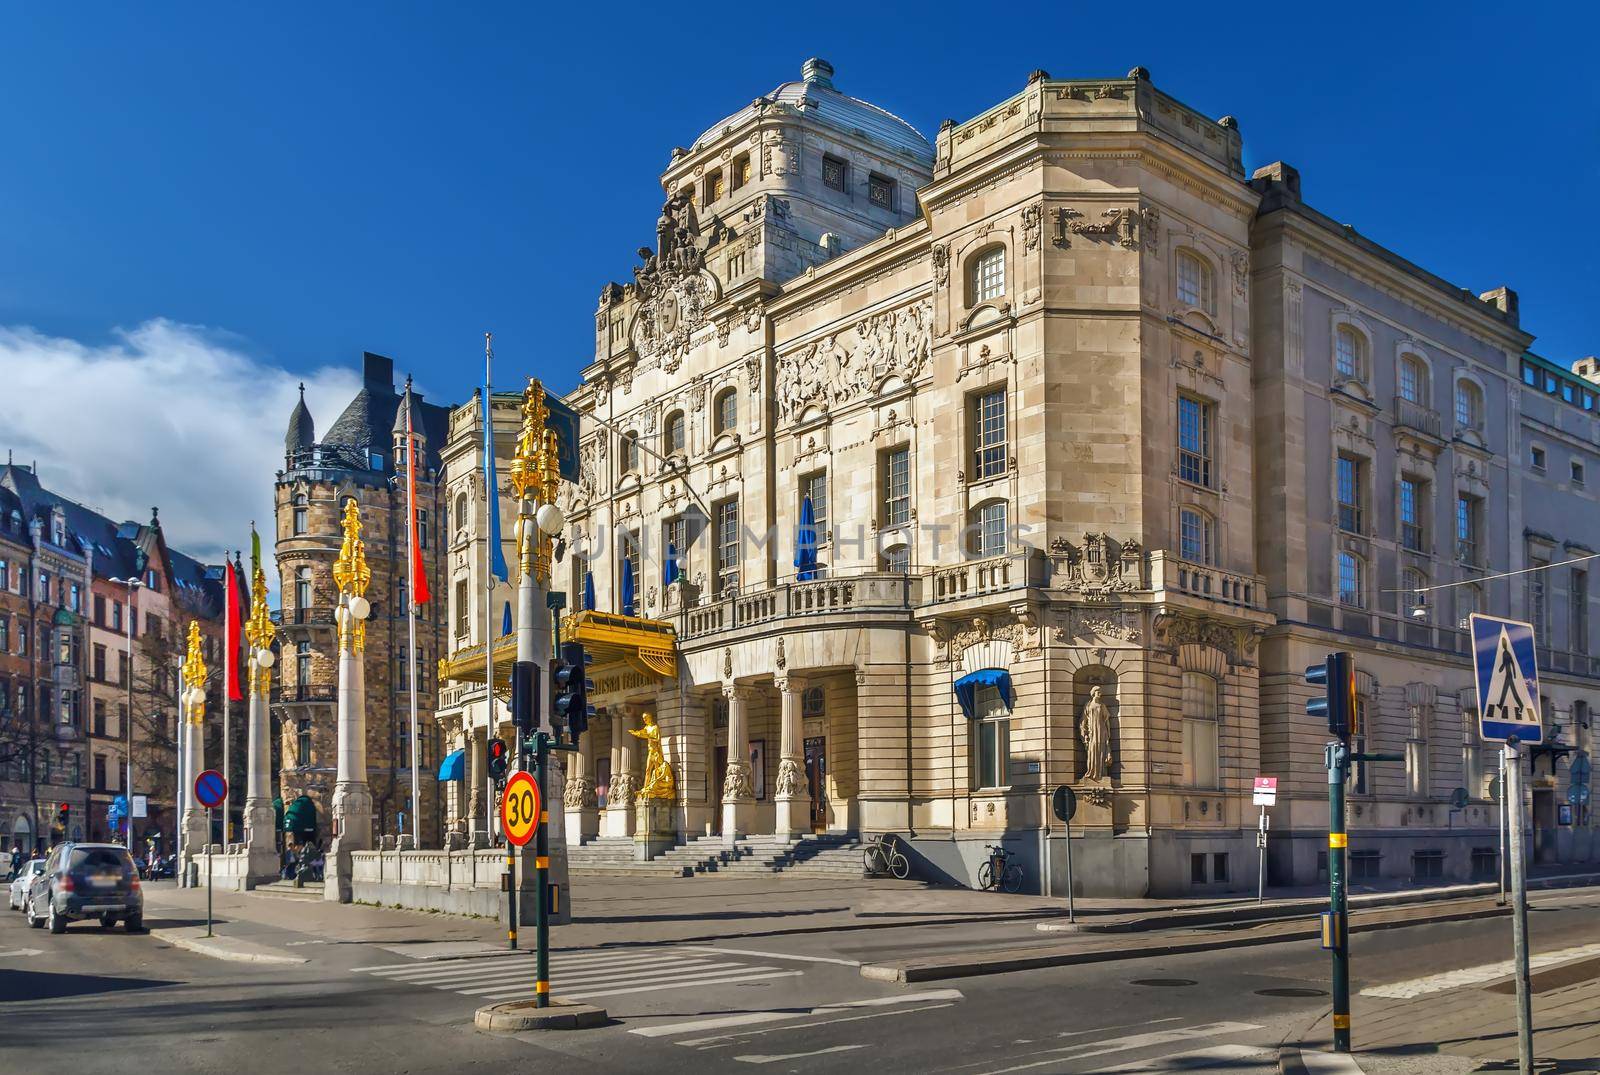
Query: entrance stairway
x=824 y=856
x=286 y=890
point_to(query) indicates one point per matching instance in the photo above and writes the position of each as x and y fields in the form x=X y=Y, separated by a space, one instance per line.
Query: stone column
x=352 y=801
x=619 y=801
x=738 y=793
x=477 y=778
x=196 y=832
x=260 y=835
x=582 y=809
x=793 y=797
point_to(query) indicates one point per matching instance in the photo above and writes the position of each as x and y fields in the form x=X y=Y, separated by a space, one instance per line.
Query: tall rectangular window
x=989 y=529
x=675 y=543
x=1352 y=580
x=727 y=544
x=1194 y=440
x=1350 y=489
x=1200 y=741
x=1578 y=611
x=302 y=742
x=1195 y=536
x=989 y=275
x=463 y=612
x=1413 y=495
x=991 y=756
x=896 y=464
x=989 y=434
x=302 y=665
x=815 y=486
x=1538 y=605
x=1468 y=526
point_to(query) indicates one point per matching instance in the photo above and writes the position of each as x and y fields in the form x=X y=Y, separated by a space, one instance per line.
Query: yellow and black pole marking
x=541 y=864
x=1336 y=933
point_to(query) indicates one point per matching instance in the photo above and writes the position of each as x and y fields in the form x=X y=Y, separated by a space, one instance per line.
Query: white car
x=18 y=892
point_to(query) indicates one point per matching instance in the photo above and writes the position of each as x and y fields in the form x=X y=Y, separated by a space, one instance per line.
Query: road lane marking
x=726 y=1040
x=1131 y=1041
x=759 y=1059
x=747 y=1018
x=22 y=952
x=1486 y=972
x=770 y=955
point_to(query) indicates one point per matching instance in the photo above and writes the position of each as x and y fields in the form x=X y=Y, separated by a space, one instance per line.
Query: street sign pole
x=541 y=864
x=1512 y=793
x=209 y=857
x=1504 y=864
x=1337 y=933
x=1071 y=911
x=1261 y=858
x=511 y=894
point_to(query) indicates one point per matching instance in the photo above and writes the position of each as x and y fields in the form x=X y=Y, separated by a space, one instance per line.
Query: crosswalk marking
x=1487 y=972
x=582 y=974
x=1131 y=1041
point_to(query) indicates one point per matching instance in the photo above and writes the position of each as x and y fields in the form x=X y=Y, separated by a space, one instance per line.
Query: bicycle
x=998 y=872
x=881 y=857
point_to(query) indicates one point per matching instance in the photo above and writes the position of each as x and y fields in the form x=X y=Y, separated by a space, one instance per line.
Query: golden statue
x=658 y=782
x=194 y=674
x=536 y=475
x=351 y=574
x=258 y=630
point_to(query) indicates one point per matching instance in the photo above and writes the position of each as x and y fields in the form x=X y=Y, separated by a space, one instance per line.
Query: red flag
x=419 y=575
x=231 y=629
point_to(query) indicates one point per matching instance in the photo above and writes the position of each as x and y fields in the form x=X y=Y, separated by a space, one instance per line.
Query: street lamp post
x=132 y=583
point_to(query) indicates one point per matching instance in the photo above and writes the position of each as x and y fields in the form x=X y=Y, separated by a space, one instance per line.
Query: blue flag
x=497 y=554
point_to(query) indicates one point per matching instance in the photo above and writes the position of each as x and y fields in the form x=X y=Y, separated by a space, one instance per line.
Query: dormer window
x=833 y=173
x=741 y=171
x=880 y=191
x=713 y=186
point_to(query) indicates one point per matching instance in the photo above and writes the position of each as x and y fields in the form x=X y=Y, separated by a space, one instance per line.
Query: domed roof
x=302 y=433
x=816 y=94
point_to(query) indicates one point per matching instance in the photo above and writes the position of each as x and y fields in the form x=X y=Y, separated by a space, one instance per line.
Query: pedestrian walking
x=16 y=861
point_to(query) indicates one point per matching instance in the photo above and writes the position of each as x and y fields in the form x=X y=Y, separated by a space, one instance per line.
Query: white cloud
x=172 y=415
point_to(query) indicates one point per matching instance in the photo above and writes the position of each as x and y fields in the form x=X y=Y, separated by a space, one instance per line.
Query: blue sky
x=308 y=181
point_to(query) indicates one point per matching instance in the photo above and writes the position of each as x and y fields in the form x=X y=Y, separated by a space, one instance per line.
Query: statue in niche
x=1094 y=727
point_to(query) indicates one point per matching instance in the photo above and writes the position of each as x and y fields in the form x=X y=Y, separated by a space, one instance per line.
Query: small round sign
x=520 y=808
x=210 y=788
x=1064 y=803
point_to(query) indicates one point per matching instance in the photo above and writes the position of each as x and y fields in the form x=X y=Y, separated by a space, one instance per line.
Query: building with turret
x=360 y=455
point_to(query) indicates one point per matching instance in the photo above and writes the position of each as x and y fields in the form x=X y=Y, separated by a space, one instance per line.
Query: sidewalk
x=1474 y=1027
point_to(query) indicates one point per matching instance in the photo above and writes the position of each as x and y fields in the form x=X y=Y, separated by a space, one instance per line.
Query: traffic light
x=524 y=691
x=498 y=753
x=63 y=813
x=1337 y=675
x=570 y=685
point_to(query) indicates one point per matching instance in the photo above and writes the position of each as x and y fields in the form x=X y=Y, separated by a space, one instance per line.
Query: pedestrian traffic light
x=524 y=692
x=498 y=752
x=571 y=686
x=1337 y=677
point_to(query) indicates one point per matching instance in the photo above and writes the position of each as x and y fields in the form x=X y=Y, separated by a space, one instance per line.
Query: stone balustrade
x=1173 y=575
x=819 y=597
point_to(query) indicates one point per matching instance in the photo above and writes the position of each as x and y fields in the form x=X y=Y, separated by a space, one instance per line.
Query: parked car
x=19 y=884
x=86 y=881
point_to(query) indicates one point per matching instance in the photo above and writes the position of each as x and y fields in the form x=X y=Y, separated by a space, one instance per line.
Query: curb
x=1296 y=1061
x=912 y=972
x=522 y=1015
x=208 y=947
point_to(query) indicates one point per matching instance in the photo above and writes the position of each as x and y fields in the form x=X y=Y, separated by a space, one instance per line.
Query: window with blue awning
x=967 y=689
x=454 y=766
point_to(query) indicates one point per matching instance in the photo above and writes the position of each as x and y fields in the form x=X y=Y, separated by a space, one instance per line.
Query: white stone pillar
x=352 y=801
x=260 y=828
x=738 y=791
x=196 y=831
x=581 y=805
x=619 y=799
x=793 y=796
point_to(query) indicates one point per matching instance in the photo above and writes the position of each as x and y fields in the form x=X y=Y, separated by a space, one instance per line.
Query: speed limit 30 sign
x=520 y=808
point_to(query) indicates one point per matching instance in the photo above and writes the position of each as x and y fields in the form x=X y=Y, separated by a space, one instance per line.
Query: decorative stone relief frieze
x=1239 y=644
x=1101 y=564
x=673 y=284
x=1022 y=632
x=1119 y=225
x=1119 y=624
x=842 y=367
x=941 y=264
x=1030 y=227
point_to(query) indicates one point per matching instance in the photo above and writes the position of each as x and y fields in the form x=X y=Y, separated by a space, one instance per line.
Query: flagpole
x=227 y=692
x=490 y=503
x=411 y=614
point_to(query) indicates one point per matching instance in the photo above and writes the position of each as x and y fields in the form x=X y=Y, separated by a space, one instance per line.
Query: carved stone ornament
x=1030 y=227
x=791 y=779
x=623 y=789
x=727 y=662
x=780 y=660
x=724 y=331
x=1100 y=565
x=1237 y=643
x=579 y=794
x=1022 y=633
x=1095 y=796
x=1094 y=728
x=736 y=782
x=1121 y=226
x=1119 y=624
x=842 y=367
x=672 y=283
x=1241 y=273
x=941 y=264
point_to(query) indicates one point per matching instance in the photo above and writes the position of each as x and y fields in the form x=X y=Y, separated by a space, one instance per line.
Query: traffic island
x=520 y=1015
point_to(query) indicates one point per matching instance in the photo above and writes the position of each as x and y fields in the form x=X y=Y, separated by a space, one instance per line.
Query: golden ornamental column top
x=534 y=466
x=350 y=570
x=258 y=628
x=194 y=665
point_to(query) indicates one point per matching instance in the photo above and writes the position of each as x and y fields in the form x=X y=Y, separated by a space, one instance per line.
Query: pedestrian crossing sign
x=1507 y=677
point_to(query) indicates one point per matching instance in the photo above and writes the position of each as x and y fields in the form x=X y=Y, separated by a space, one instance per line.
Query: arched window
x=1196 y=284
x=1413 y=384
x=1469 y=406
x=1349 y=353
x=461 y=513
x=813 y=702
x=987 y=529
x=1196 y=536
x=991 y=753
x=896 y=560
x=1200 y=740
x=674 y=435
x=988 y=276
x=726 y=410
x=1352 y=580
x=630 y=452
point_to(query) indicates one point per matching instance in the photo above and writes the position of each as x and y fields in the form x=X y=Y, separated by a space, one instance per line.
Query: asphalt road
x=93 y=1001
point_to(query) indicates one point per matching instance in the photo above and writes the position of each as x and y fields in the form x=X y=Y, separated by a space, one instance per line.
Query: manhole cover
x=1169 y=982
x=1291 y=991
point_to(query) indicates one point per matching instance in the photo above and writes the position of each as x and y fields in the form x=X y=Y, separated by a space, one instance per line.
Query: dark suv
x=86 y=881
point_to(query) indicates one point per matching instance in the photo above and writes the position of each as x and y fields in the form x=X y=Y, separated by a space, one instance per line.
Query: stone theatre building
x=1105 y=440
